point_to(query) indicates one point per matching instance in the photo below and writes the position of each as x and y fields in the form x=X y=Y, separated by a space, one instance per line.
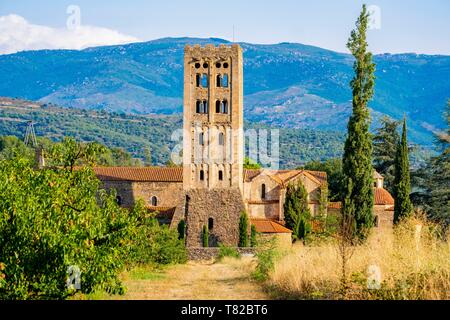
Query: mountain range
x=286 y=85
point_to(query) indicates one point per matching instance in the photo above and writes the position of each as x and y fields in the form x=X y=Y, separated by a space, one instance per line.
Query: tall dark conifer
x=358 y=195
x=402 y=185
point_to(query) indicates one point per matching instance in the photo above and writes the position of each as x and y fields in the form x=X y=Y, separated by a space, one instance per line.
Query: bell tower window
x=202 y=175
x=225 y=81
x=204 y=81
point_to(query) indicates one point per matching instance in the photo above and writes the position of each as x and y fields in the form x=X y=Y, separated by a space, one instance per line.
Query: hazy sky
x=406 y=25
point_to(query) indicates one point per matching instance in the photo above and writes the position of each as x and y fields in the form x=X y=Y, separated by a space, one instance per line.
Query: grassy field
x=409 y=263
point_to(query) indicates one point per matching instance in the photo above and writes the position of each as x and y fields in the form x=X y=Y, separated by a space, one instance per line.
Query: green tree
x=333 y=168
x=243 y=230
x=432 y=181
x=296 y=210
x=357 y=161
x=253 y=237
x=58 y=217
x=205 y=236
x=148 y=157
x=385 y=144
x=249 y=164
x=402 y=183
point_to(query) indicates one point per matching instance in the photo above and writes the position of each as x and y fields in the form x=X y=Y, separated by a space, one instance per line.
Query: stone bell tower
x=213 y=151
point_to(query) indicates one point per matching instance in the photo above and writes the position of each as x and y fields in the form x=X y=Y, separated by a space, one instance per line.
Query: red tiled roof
x=149 y=174
x=269 y=226
x=168 y=174
x=334 y=205
x=383 y=197
x=284 y=176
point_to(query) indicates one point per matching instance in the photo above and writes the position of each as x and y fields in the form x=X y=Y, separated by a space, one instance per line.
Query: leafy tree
x=243 y=230
x=385 y=144
x=357 y=161
x=253 y=236
x=333 y=168
x=250 y=164
x=148 y=157
x=402 y=183
x=58 y=217
x=432 y=181
x=296 y=210
x=205 y=236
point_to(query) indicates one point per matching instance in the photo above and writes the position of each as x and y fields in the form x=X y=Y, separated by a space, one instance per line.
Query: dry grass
x=412 y=266
x=229 y=279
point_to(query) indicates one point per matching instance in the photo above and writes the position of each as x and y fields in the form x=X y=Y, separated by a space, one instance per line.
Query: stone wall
x=169 y=194
x=224 y=206
x=198 y=254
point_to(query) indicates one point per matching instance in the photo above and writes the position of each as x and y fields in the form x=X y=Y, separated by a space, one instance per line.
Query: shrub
x=225 y=251
x=253 y=237
x=243 y=230
x=266 y=255
x=205 y=237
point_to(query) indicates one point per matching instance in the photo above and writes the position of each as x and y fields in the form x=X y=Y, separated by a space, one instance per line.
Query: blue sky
x=406 y=25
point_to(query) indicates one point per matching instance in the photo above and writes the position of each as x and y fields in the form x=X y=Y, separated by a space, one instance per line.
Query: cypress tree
x=253 y=239
x=402 y=187
x=296 y=211
x=243 y=230
x=205 y=236
x=358 y=197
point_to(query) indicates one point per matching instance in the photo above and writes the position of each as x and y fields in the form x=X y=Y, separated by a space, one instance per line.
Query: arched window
x=210 y=223
x=119 y=200
x=224 y=107
x=154 y=201
x=198 y=106
x=197 y=80
x=205 y=80
x=220 y=175
x=221 y=139
x=202 y=175
x=225 y=81
x=263 y=191
x=219 y=81
x=201 y=139
x=218 y=106
x=205 y=106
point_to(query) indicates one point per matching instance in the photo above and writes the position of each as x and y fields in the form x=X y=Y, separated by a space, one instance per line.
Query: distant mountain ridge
x=288 y=85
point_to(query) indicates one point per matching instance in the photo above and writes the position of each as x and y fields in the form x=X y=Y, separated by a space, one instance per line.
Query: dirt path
x=229 y=280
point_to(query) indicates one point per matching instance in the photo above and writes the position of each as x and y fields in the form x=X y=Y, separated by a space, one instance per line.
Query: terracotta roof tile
x=383 y=197
x=284 y=176
x=269 y=226
x=334 y=205
x=148 y=174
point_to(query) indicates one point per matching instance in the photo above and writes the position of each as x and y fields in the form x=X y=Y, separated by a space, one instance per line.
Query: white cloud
x=17 y=34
